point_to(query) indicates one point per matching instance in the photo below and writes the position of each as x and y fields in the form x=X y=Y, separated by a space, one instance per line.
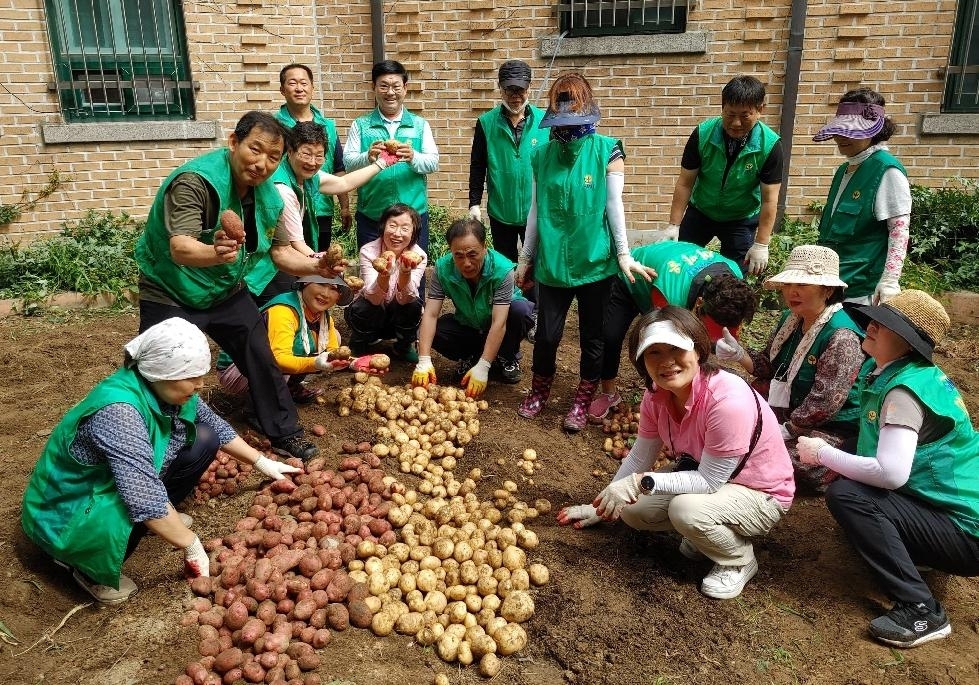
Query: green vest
x=677 y=265
x=323 y=203
x=474 y=309
x=852 y=230
x=574 y=242
x=848 y=415
x=306 y=192
x=945 y=472
x=202 y=287
x=399 y=182
x=73 y=511
x=739 y=195
x=509 y=178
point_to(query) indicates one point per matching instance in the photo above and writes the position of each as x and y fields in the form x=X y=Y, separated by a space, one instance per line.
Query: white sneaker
x=690 y=551
x=727 y=582
x=104 y=593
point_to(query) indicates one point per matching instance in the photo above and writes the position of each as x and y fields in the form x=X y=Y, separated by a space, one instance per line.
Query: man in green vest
x=730 y=176
x=192 y=268
x=391 y=126
x=296 y=86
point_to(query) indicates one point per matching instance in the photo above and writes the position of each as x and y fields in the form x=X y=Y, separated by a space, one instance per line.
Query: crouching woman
x=733 y=478
x=119 y=460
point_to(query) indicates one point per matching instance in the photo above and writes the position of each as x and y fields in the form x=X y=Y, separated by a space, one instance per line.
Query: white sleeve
x=889 y=469
x=641 y=457
x=893 y=195
x=353 y=157
x=712 y=473
x=426 y=160
x=615 y=211
x=291 y=219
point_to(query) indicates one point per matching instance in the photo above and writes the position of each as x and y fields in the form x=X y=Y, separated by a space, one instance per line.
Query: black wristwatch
x=646 y=485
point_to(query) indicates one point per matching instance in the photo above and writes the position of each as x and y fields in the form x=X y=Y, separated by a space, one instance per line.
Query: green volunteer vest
x=474 y=309
x=849 y=413
x=306 y=192
x=399 y=182
x=739 y=195
x=202 y=287
x=73 y=511
x=945 y=472
x=852 y=230
x=509 y=178
x=574 y=242
x=677 y=265
x=323 y=204
x=292 y=300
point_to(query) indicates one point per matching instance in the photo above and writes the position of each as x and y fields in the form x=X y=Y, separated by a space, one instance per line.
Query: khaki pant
x=718 y=524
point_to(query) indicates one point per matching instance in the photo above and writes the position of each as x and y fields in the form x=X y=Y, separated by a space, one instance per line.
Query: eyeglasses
x=514 y=90
x=389 y=87
x=310 y=158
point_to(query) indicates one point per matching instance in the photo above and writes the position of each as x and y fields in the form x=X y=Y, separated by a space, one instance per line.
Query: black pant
x=736 y=236
x=893 y=531
x=280 y=283
x=552 y=312
x=619 y=315
x=324 y=225
x=458 y=341
x=183 y=474
x=238 y=327
x=506 y=237
x=369 y=322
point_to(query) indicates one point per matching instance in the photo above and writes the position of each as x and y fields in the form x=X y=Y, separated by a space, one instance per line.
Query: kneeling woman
x=712 y=422
x=118 y=462
x=910 y=495
x=491 y=316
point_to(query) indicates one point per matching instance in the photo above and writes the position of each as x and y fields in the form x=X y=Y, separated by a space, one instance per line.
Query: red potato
x=337 y=616
x=287 y=560
x=201 y=586
x=360 y=614
x=235 y=616
x=253 y=629
x=283 y=486
x=228 y=659
x=190 y=618
x=196 y=672
x=266 y=612
x=232 y=226
x=321 y=638
x=309 y=661
x=209 y=647
x=183 y=679
x=257 y=590
x=318 y=430
x=253 y=672
x=304 y=609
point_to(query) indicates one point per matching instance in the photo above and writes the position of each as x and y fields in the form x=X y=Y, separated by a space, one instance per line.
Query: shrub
x=944 y=236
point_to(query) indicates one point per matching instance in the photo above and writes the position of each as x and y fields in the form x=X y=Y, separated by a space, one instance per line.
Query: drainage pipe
x=377 y=30
x=790 y=95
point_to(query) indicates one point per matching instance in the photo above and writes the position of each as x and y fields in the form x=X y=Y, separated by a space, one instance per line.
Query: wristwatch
x=646 y=485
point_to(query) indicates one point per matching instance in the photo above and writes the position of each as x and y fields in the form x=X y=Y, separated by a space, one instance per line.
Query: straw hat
x=809 y=265
x=916 y=316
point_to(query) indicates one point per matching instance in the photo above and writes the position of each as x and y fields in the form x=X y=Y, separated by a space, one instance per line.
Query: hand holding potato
x=374 y=364
x=273 y=469
x=409 y=259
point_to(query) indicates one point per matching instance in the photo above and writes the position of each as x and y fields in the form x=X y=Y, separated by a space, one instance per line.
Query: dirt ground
x=621 y=607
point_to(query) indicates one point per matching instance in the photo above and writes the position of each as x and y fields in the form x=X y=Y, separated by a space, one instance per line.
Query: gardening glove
x=809 y=449
x=786 y=435
x=628 y=266
x=324 y=363
x=579 y=515
x=728 y=349
x=476 y=378
x=196 y=563
x=886 y=289
x=474 y=213
x=364 y=364
x=616 y=496
x=424 y=373
x=757 y=258
x=273 y=469
x=672 y=232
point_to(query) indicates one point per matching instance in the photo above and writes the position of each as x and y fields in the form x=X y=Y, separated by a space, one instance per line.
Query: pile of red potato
x=621 y=426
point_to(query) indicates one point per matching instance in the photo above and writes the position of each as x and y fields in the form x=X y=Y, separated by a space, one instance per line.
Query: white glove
x=196 y=563
x=616 y=496
x=728 y=349
x=474 y=213
x=273 y=469
x=628 y=265
x=672 y=232
x=809 y=449
x=322 y=361
x=786 y=435
x=580 y=515
x=886 y=289
x=756 y=258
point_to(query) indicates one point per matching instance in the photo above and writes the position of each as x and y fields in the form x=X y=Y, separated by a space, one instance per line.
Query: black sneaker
x=295 y=446
x=910 y=625
x=508 y=369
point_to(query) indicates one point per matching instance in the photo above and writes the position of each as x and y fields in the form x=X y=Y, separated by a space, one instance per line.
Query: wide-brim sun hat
x=916 y=316
x=858 y=120
x=662 y=332
x=808 y=265
x=564 y=114
x=346 y=294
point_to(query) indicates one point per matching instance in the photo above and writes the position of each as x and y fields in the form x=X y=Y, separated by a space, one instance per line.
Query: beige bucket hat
x=809 y=265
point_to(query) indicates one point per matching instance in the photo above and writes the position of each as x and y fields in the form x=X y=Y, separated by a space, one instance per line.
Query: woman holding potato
x=392 y=268
x=733 y=478
x=119 y=460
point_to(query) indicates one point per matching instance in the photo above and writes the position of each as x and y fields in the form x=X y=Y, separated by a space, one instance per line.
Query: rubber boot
x=533 y=403
x=577 y=416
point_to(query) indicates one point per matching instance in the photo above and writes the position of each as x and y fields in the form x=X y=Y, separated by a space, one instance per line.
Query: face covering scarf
x=566 y=134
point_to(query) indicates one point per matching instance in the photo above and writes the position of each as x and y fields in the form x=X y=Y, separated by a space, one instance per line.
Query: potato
x=409 y=623
x=361 y=614
x=380 y=361
x=441 y=679
x=253 y=629
x=489 y=665
x=228 y=659
x=539 y=574
x=382 y=624
x=510 y=638
x=517 y=607
x=448 y=646
x=232 y=226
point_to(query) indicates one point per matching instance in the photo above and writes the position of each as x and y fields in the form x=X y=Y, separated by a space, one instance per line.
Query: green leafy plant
x=944 y=235
x=12 y=212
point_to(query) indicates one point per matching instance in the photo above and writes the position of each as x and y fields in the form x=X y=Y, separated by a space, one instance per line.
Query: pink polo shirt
x=720 y=420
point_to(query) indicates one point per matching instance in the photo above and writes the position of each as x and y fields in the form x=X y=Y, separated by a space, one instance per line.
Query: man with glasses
x=391 y=127
x=296 y=86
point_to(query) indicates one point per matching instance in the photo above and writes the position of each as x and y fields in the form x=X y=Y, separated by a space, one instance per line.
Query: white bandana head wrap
x=172 y=350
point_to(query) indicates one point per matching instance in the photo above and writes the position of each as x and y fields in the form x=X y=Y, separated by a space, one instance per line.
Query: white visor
x=662 y=332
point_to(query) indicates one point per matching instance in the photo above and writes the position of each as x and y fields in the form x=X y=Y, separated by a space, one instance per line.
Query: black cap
x=514 y=73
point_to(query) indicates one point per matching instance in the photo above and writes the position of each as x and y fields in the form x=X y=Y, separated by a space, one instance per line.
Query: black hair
x=744 y=90
x=306 y=133
x=464 y=227
x=871 y=97
x=263 y=122
x=399 y=209
x=685 y=323
x=388 y=66
x=728 y=300
x=837 y=296
x=290 y=67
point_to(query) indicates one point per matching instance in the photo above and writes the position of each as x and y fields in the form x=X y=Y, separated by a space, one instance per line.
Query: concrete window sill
x=128 y=131
x=658 y=44
x=950 y=124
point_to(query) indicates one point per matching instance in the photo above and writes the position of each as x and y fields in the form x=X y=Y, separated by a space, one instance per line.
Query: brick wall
x=452 y=49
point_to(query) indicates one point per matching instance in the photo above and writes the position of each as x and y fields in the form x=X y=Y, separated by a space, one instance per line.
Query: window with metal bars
x=120 y=59
x=622 y=17
x=962 y=76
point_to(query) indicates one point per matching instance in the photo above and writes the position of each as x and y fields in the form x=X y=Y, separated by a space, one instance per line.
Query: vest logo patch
x=749 y=166
x=871 y=416
x=811 y=360
x=856 y=195
x=533 y=142
x=589 y=181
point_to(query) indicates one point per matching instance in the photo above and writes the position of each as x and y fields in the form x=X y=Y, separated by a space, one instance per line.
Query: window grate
x=962 y=75
x=622 y=17
x=120 y=59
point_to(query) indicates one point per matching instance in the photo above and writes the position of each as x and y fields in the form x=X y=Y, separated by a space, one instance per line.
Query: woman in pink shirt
x=732 y=479
x=389 y=305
